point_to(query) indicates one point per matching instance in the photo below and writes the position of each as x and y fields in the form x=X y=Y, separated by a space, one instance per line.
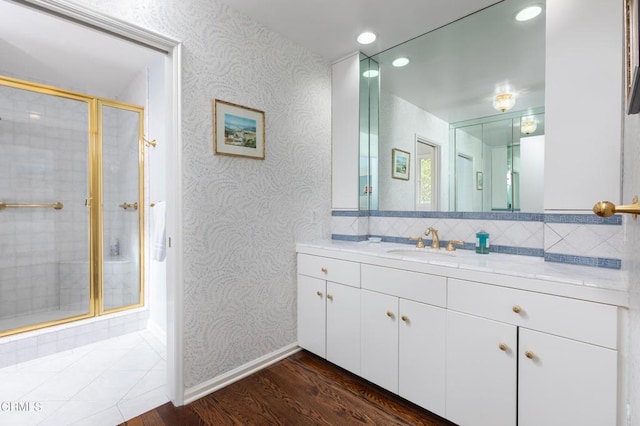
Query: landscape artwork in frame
x=400 y=161
x=238 y=130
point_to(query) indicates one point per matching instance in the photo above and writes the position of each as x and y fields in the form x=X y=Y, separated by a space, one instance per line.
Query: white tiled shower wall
x=43 y=159
x=44 y=252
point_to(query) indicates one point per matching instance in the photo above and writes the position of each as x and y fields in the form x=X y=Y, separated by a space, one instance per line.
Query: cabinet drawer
x=326 y=268
x=576 y=319
x=425 y=288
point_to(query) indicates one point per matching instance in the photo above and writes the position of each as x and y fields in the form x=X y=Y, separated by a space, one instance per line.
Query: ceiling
x=66 y=54
x=330 y=27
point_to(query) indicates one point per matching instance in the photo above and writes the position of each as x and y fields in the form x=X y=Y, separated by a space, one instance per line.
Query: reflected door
x=464 y=183
x=122 y=166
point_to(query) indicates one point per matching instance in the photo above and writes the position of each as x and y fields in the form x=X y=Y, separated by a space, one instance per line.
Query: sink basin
x=421 y=252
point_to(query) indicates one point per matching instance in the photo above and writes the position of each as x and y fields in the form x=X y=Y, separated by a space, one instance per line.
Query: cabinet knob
x=530 y=354
x=324 y=269
x=503 y=347
x=517 y=309
x=405 y=318
x=390 y=314
x=319 y=293
x=330 y=296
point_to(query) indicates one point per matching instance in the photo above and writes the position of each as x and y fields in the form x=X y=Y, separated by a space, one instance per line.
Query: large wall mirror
x=467 y=104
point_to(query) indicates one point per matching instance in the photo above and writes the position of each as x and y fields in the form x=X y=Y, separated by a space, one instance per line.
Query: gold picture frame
x=238 y=131
x=400 y=164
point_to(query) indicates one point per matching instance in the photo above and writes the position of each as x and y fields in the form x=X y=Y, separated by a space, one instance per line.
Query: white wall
x=242 y=216
x=400 y=122
x=583 y=103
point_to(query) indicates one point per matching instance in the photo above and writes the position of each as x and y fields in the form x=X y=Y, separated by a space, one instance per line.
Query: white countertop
x=597 y=284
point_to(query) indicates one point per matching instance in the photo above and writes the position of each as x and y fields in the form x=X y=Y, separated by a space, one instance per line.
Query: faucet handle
x=452 y=244
x=420 y=241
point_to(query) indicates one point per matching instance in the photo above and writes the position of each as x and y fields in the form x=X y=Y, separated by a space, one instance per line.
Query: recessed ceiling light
x=366 y=38
x=528 y=13
x=400 y=62
x=370 y=73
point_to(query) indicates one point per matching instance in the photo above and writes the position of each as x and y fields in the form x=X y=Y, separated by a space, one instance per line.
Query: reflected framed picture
x=479 y=181
x=400 y=164
x=238 y=130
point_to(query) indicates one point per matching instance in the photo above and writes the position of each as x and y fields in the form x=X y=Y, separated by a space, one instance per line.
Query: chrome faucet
x=435 y=241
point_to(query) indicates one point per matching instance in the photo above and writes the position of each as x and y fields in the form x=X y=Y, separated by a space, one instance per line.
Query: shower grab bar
x=58 y=206
x=126 y=206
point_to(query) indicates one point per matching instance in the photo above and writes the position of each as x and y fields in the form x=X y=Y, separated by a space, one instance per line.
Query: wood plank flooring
x=302 y=389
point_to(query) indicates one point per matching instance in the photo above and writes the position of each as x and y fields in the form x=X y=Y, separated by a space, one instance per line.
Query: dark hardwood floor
x=302 y=389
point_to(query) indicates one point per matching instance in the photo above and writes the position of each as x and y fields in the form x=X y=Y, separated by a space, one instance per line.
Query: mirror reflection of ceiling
x=455 y=71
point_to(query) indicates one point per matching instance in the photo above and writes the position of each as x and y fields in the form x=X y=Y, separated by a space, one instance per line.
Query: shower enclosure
x=71 y=206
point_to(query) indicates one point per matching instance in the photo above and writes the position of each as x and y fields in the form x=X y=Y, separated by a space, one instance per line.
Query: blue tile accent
x=354 y=238
x=598 y=262
x=350 y=213
x=585 y=219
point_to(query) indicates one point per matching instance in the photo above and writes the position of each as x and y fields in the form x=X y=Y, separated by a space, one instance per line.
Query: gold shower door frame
x=94 y=201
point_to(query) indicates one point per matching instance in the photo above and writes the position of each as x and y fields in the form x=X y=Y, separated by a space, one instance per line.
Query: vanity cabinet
x=490 y=353
x=481 y=371
x=329 y=309
x=556 y=355
x=403 y=340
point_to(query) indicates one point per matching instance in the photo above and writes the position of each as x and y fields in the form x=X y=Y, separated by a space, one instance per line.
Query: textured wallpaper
x=242 y=217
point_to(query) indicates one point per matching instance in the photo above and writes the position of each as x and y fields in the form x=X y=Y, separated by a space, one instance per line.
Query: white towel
x=159 y=231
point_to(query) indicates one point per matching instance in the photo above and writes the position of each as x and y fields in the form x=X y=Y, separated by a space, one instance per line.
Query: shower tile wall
x=120 y=151
x=43 y=159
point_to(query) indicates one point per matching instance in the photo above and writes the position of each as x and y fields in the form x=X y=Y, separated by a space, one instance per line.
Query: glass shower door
x=44 y=221
x=121 y=130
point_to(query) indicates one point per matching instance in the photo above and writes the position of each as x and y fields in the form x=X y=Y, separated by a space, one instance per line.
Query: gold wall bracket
x=151 y=143
x=607 y=208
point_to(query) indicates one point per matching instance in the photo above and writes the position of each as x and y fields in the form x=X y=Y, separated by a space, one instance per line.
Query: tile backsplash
x=582 y=239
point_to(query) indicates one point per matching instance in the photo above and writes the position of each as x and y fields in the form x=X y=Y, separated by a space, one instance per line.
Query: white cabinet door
x=565 y=382
x=422 y=355
x=311 y=314
x=481 y=371
x=343 y=326
x=379 y=319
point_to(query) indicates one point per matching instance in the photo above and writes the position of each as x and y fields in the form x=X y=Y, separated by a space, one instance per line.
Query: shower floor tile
x=104 y=383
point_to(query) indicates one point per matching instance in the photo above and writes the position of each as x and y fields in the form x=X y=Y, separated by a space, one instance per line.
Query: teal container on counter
x=482 y=242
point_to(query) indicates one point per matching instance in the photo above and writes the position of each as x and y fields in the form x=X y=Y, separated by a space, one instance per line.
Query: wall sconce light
x=528 y=125
x=504 y=101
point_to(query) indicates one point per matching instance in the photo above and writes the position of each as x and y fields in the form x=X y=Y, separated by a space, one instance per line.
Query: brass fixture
x=420 y=241
x=530 y=354
x=390 y=314
x=452 y=244
x=405 y=318
x=503 y=347
x=319 y=293
x=517 y=309
x=147 y=142
x=607 y=208
x=330 y=296
x=58 y=206
x=324 y=269
x=435 y=242
x=152 y=205
x=127 y=206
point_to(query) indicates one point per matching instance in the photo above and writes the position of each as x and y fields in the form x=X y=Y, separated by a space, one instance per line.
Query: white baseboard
x=210 y=386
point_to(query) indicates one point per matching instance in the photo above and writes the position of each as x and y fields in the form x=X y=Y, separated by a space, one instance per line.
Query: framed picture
x=479 y=180
x=238 y=130
x=400 y=163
